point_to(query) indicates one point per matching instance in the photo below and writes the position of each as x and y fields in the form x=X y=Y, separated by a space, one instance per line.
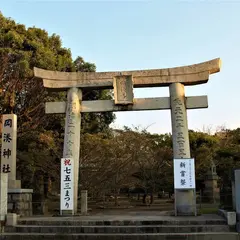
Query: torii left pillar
x=71 y=147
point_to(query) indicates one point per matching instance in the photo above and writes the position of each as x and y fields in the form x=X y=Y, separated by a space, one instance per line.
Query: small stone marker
x=11 y=219
x=231 y=218
x=84 y=202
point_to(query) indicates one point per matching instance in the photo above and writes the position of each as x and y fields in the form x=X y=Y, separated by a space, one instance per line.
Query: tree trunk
x=49 y=185
x=116 y=196
x=116 y=191
x=45 y=185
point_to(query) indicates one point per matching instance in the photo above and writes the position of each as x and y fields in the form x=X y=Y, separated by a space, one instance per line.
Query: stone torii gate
x=123 y=84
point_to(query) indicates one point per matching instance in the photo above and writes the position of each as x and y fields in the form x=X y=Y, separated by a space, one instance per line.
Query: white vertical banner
x=184 y=173
x=67 y=179
x=9 y=145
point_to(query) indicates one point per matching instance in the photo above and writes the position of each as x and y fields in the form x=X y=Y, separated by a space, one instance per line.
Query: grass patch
x=213 y=210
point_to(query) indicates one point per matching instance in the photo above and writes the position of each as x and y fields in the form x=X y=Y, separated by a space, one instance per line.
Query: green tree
x=228 y=154
x=21 y=49
x=203 y=150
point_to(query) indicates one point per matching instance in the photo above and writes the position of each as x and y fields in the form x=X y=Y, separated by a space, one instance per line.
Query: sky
x=131 y=35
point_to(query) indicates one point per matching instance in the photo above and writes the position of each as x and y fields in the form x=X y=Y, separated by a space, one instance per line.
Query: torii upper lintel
x=187 y=75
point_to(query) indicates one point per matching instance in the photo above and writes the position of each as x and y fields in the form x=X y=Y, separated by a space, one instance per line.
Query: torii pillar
x=71 y=148
x=185 y=199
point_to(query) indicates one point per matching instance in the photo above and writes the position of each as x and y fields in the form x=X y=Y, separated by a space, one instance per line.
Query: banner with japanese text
x=67 y=178
x=9 y=145
x=184 y=173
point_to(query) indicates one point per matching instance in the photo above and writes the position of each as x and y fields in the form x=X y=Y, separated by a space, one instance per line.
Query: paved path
x=132 y=216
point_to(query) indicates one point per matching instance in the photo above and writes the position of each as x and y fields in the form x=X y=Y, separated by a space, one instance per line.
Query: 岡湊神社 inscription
x=9 y=145
x=123 y=83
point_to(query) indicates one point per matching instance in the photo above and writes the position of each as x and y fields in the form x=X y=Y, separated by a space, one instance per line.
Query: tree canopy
x=23 y=48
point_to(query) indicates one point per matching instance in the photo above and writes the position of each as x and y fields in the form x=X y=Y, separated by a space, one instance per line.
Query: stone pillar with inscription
x=72 y=136
x=9 y=149
x=184 y=199
x=19 y=200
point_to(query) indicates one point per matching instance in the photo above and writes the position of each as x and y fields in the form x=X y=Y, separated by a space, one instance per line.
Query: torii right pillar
x=185 y=200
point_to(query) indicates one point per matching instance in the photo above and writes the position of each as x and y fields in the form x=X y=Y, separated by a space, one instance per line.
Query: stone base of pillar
x=68 y=213
x=20 y=201
x=185 y=203
x=3 y=197
x=14 y=184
